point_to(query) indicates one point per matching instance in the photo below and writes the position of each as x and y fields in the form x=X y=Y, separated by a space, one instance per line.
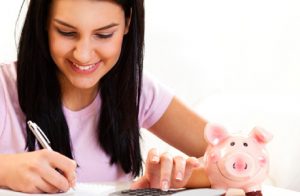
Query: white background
x=235 y=62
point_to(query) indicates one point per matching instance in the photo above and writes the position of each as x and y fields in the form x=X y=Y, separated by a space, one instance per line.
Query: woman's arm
x=182 y=128
x=2 y=171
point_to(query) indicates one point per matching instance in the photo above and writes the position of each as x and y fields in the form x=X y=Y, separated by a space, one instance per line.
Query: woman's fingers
x=64 y=167
x=56 y=179
x=153 y=158
x=175 y=172
x=182 y=170
x=166 y=167
x=36 y=184
x=191 y=163
x=164 y=172
x=45 y=187
x=179 y=168
x=152 y=172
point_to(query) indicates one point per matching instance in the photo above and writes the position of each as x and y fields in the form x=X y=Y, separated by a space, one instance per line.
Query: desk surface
x=85 y=189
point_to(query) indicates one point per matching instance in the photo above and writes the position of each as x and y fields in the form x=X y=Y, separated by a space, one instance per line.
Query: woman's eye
x=66 y=33
x=104 y=36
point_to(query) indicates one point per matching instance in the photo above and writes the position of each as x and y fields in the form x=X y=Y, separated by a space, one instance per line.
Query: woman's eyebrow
x=98 y=29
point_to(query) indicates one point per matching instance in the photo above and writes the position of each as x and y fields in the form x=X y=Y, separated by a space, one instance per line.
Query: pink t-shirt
x=94 y=163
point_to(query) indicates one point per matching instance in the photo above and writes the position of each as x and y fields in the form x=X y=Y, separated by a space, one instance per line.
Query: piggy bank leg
x=234 y=192
x=254 y=193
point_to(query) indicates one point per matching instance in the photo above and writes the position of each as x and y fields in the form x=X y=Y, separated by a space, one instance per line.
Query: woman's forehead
x=86 y=11
x=85 y=3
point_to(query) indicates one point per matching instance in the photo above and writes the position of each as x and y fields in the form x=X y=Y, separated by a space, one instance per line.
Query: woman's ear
x=127 y=22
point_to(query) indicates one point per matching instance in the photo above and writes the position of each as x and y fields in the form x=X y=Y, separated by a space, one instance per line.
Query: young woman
x=79 y=77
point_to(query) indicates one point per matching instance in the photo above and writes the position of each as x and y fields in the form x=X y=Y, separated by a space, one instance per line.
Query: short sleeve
x=154 y=101
x=2 y=103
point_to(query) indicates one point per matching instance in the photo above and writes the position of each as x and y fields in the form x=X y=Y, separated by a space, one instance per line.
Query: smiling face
x=85 y=39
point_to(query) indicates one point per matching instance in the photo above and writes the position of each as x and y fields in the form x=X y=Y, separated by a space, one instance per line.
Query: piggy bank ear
x=261 y=135
x=214 y=134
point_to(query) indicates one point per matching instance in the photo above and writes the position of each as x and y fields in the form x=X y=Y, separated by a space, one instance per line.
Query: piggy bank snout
x=238 y=165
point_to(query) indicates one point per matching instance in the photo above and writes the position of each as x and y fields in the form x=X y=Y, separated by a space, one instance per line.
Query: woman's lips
x=85 y=69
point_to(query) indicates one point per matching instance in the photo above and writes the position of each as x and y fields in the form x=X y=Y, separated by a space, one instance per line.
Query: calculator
x=145 y=191
x=176 y=192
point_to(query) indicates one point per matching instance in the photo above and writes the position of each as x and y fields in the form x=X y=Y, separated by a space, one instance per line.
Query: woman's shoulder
x=153 y=87
x=154 y=100
x=151 y=84
x=8 y=77
x=7 y=88
x=8 y=70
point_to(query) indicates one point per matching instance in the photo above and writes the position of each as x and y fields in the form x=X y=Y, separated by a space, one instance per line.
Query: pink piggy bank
x=234 y=161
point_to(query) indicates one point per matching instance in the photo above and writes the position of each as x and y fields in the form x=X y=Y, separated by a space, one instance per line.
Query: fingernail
x=155 y=159
x=165 y=185
x=179 y=176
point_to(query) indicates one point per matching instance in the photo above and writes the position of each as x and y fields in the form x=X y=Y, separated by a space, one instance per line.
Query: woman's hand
x=37 y=172
x=164 y=172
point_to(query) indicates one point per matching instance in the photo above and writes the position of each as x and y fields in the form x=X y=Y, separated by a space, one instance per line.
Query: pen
x=41 y=137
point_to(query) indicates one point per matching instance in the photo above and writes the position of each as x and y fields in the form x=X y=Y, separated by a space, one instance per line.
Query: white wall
x=235 y=62
x=9 y=11
x=216 y=46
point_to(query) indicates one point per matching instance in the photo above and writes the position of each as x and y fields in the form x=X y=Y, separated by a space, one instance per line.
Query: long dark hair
x=40 y=93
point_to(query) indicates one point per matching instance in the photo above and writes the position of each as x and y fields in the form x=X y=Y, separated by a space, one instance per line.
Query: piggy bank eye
x=232 y=143
x=245 y=144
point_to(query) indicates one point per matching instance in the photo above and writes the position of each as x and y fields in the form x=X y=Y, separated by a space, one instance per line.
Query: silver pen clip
x=39 y=135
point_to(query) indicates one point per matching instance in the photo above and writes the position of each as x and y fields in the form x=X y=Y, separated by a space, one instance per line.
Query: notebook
x=81 y=189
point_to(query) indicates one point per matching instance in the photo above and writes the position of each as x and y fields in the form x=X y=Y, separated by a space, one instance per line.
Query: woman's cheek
x=111 y=52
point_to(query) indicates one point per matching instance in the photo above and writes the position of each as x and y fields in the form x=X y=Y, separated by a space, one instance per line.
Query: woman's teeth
x=84 y=68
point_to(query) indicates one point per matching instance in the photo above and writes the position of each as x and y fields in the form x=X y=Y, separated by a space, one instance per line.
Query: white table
x=84 y=189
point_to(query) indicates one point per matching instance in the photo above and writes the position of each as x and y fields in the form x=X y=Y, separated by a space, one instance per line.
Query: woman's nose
x=84 y=51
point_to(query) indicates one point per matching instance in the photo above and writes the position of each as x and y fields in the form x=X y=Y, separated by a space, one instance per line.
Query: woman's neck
x=76 y=99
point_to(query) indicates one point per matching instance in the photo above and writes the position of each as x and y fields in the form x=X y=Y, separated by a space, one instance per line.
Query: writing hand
x=37 y=172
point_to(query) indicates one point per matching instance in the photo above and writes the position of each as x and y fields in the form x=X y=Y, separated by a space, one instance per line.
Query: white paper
x=81 y=189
